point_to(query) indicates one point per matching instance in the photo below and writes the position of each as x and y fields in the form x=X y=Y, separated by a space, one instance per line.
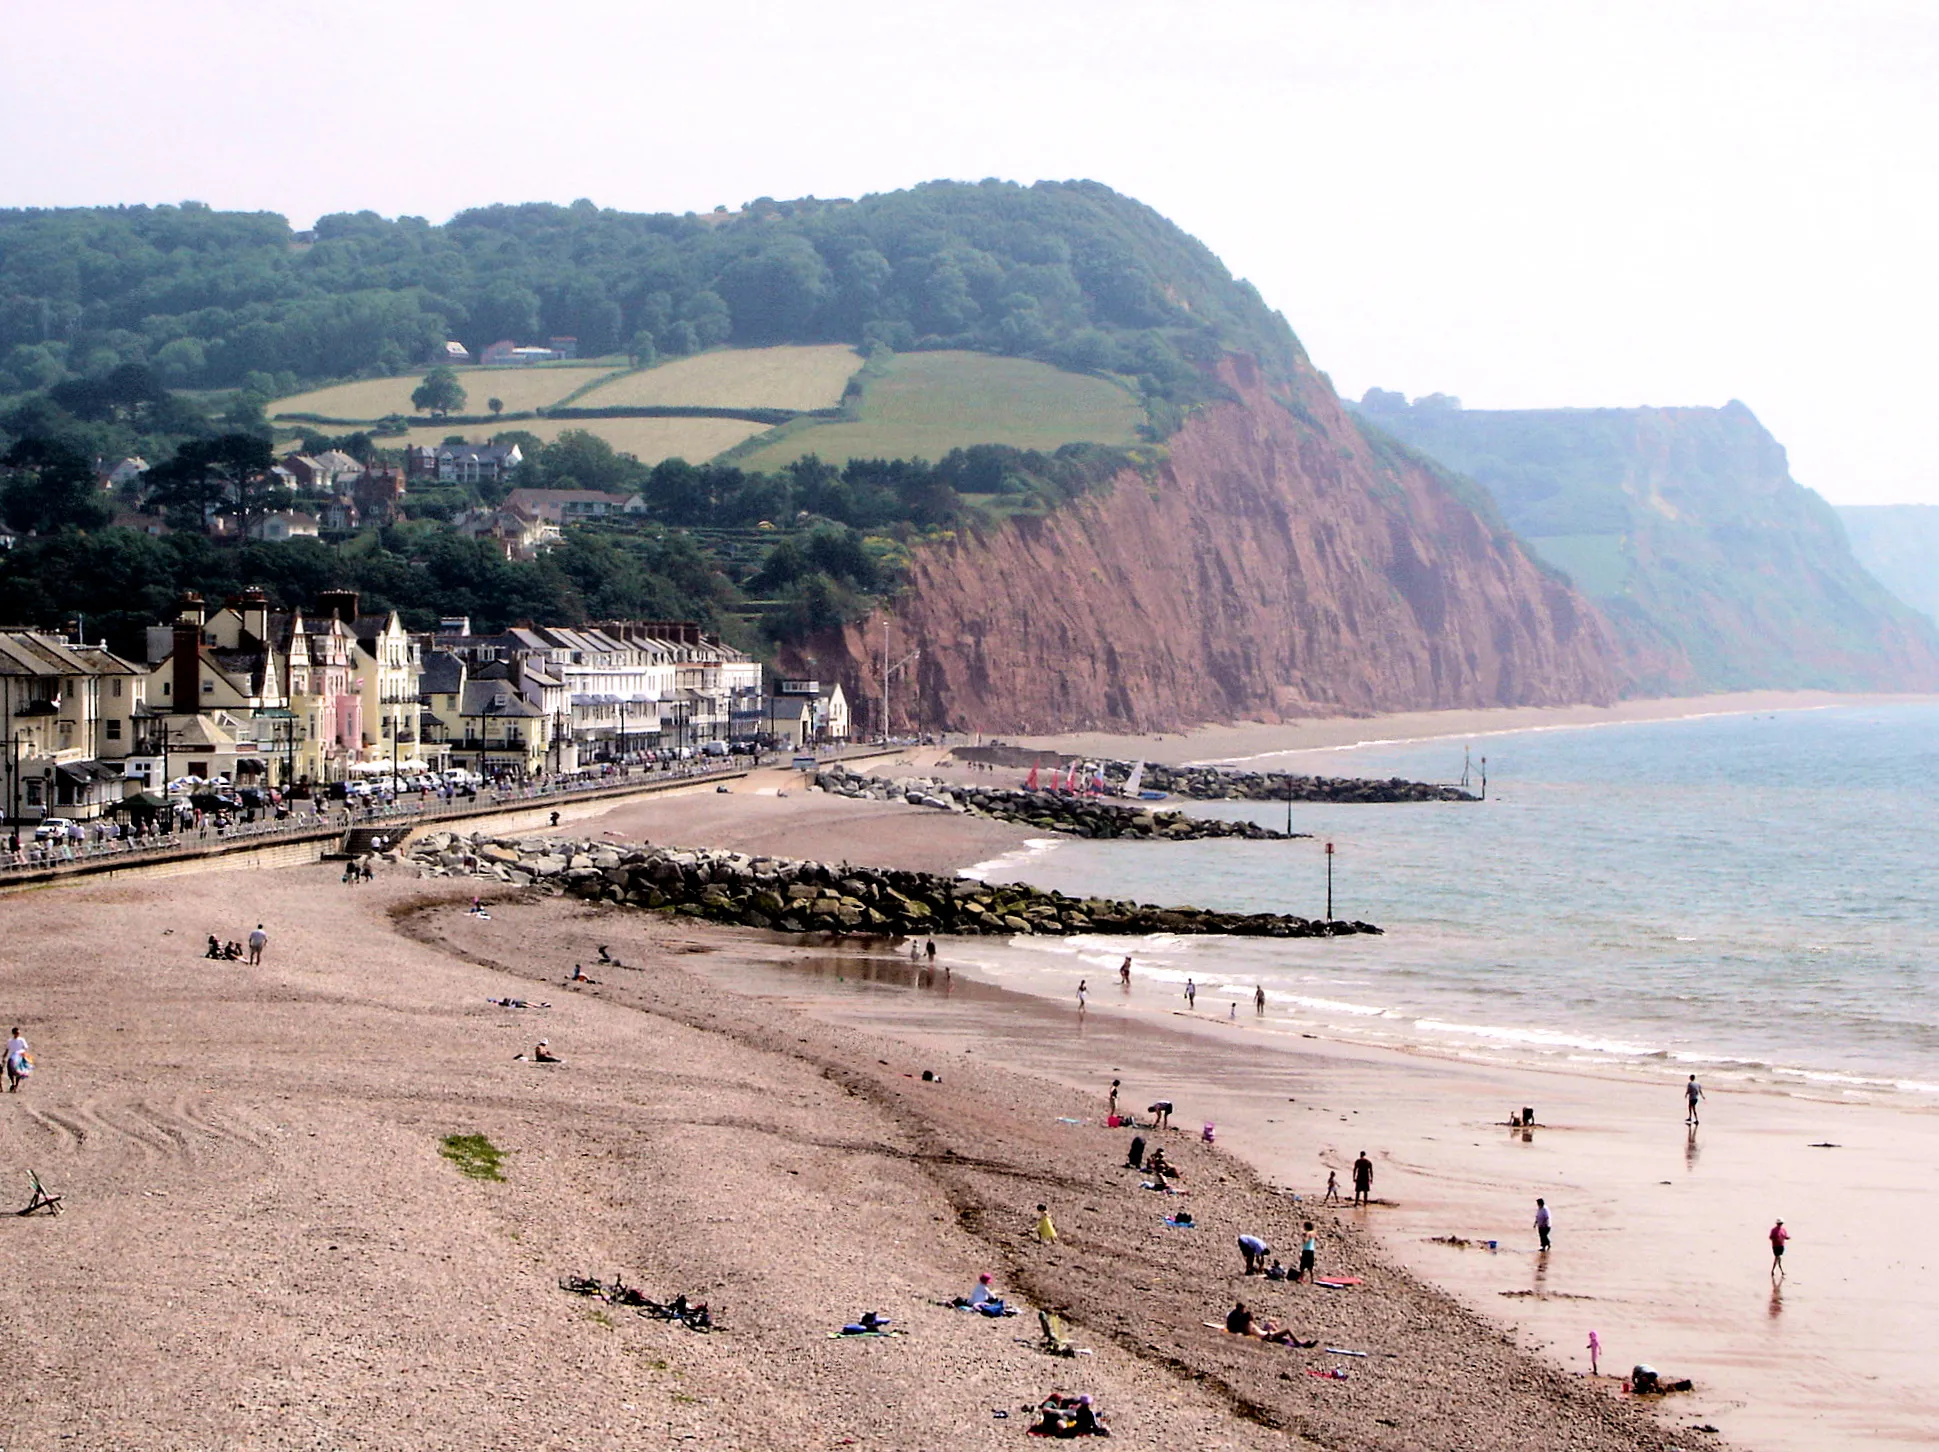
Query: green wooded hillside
x=1069 y=272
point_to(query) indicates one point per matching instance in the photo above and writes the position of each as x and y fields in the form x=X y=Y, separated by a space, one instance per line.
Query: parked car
x=52 y=829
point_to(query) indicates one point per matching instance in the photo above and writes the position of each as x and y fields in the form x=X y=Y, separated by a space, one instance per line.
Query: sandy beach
x=264 y=1247
x=1246 y=740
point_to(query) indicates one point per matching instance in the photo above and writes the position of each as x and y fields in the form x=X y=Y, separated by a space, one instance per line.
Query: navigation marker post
x=1329 y=882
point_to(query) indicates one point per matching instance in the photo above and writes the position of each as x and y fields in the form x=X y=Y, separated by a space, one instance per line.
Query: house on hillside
x=284 y=525
x=117 y=473
x=462 y=463
x=340 y=467
x=517 y=534
x=452 y=353
x=563 y=347
x=499 y=352
x=574 y=506
x=309 y=473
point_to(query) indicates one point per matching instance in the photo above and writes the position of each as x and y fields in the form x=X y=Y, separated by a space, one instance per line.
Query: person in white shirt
x=258 y=940
x=19 y=1066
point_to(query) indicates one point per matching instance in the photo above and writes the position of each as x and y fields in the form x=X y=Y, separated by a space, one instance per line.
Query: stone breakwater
x=784 y=895
x=1069 y=813
x=1212 y=783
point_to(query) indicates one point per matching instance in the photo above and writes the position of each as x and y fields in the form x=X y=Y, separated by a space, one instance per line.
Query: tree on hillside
x=47 y=486
x=225 y=474
x=496 y=405
x=439 y=394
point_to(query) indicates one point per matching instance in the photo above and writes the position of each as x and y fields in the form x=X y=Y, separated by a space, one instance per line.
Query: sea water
x=1736 y=895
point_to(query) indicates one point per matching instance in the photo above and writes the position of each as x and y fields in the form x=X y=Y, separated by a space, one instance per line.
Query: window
x=114 y=729
x=33 y=791
x=117 y=686
x=208 y=688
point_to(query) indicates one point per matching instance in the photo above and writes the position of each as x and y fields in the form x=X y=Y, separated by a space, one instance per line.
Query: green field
x=522 y=390
x=926 y=404
x=787 y=377
x=647 y=439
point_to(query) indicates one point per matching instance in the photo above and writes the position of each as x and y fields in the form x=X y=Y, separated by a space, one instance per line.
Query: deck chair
x=1056 y=1339
x=41 y=1200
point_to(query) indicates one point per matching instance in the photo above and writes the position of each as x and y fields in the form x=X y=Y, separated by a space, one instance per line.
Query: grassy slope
x=926 y=404
x=374 y=398
x=804 y=378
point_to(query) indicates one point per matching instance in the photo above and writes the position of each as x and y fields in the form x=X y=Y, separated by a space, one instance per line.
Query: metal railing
x=334 y=817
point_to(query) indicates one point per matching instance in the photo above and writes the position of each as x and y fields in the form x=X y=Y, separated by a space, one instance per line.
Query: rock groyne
x=785 y=895
x=1218 y=783
x=1067 y=812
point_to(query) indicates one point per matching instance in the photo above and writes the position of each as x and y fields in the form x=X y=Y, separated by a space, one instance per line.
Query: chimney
x=340 y=603
x=189 y=609
x=253 y=606
x=187 y=690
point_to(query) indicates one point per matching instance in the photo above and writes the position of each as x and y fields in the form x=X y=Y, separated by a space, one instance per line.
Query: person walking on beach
x=1692 y=1093
x=1259 y=999
x=1083 y=995
x=1191 y=994
x=1363 y=1180
x=1542 y=1221
x=1332 y=1195
x=20 y=1062
x=929 y=948
x=258 y=941
x=1124 y=972
x=1778 y=1236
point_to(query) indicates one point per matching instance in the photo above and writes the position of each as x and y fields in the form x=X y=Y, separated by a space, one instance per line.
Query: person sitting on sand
x=985 y=1299
x=1161 y=1168
x=869 y=1324
x=606 y=957
x=1239 y=1321
x=1278 y=1272
x=215 y=948
x=579 y=977
x=542 y=1054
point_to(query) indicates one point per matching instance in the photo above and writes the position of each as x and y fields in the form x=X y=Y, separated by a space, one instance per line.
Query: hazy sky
x=1526 y=205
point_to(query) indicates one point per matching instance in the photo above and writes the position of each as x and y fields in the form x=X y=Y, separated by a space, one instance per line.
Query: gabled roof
x=496 y=698
x=443 y=674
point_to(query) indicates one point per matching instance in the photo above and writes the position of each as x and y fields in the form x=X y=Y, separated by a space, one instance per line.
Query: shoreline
x=1609 y=1153
x=1246 y=742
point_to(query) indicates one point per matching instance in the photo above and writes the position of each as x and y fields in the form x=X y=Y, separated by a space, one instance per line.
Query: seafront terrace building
x=70 y=713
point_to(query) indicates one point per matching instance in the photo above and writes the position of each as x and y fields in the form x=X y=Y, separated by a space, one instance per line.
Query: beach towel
x=22 y=1065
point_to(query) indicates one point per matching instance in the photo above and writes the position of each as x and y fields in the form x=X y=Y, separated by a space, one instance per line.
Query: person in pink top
x=1778 y=1236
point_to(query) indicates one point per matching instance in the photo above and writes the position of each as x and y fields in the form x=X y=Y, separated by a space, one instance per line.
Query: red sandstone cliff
x=1274 y=565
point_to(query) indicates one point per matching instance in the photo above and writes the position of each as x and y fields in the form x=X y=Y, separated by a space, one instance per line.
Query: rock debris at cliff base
x=784 y=895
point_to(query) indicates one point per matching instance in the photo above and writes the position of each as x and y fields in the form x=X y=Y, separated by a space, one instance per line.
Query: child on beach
x=1309 y=1255
x=1692 y=1093
x=1046 y=1232
x=20 y=1062
x=1332 y=1196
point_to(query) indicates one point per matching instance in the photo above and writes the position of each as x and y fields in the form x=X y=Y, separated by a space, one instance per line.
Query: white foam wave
x=1032 y=849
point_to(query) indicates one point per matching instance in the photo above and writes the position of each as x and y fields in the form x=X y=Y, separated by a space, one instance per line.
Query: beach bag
x=22 y=1065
